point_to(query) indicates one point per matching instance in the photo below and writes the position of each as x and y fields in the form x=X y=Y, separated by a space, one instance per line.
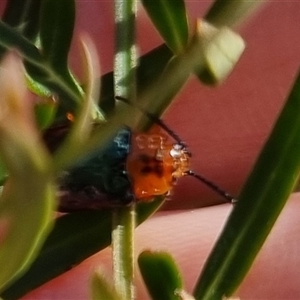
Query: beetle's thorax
x=155 y=162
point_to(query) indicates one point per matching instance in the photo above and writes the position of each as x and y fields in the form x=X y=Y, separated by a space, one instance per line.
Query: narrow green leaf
x=86 y=232
x=23 y=15
x=60 y=84
x=261 y=201
x=27 y=212
x=28 y=197
x=80 y=131
x=37 y=88
x=11 y=39
x=102 y=289
x=231 y=12
x=56 y=32
x=57 y=25
x=170 y=19
x=221 y=48
x=151 y=65
x=161 y=275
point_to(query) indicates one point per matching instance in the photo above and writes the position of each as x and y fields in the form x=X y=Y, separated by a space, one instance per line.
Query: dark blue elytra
x=99 y=180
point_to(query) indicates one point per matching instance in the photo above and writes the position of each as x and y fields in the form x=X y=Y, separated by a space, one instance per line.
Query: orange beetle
x=132 y=167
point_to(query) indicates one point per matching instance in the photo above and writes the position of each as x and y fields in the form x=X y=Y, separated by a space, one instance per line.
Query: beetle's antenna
x=213 y=186
x=201 y=178
x=156 y=120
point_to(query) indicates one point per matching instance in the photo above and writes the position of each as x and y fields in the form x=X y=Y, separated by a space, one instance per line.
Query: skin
x=189 y=235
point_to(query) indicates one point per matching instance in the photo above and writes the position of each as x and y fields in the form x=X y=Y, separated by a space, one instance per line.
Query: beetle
x=133 y=166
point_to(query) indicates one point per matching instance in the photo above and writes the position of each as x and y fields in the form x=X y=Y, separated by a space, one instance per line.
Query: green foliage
x=26 y=206
x=57 y=20
x=160 y=275
x=23 y=16
x=170 y=19
x=28 y=197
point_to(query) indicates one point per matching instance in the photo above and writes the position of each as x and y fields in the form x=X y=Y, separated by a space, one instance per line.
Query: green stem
x=123 y=251
x=124 y=85
x=125 y=51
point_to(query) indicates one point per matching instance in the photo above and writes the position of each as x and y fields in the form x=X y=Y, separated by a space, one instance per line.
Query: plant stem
x=123 y=251
x=124 y=86
x=125 y=49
